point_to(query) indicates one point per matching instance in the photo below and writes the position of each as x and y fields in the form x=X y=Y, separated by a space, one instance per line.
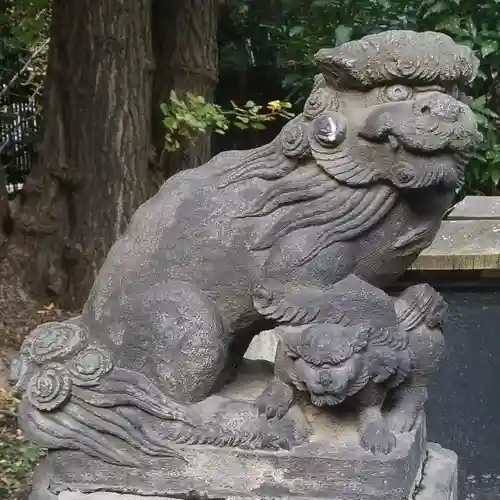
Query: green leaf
x=488 y=47
x=342 y=34
x=453 y=26
x=320 y=3
x=436 y=8
x=258 y=126
x=495 y=176
x=296 y=30
x=240 y=125
x=471 y=28
x=174 y=98
x=480 y=102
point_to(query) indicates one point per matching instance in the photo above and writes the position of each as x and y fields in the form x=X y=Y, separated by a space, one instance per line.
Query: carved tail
x=75 y=398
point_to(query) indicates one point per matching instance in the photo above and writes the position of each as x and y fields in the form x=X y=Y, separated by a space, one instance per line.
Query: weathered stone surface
x=68 y=495
x=331 y=461
x=439 y=480
x=463 y=245
x=476 y=208
x=145 y=392
x=263 y=346
x=311 y=472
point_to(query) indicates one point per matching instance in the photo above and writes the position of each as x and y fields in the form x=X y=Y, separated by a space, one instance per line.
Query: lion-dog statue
x=355 y=185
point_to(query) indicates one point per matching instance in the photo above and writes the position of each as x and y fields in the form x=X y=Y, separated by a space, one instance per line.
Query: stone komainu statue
x=355 y=185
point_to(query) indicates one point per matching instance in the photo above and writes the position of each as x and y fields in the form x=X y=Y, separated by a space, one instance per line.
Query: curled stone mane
x=307 y=195
x=393 y=338
x=332 y=346
x=266 y=162
x=420 y=305
x=441 y=60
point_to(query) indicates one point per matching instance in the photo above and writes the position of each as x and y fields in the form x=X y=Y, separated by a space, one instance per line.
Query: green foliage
x=17 y=457
x=17 y=460
x=24 y=27
x=185 y=118
x=478 y=26
x=289 y=32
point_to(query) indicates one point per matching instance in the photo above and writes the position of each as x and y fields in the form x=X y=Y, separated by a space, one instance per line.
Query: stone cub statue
x=380 y=365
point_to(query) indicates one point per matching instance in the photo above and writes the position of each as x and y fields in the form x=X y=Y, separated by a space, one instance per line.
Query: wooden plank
x=465 y=245
x=476 y=207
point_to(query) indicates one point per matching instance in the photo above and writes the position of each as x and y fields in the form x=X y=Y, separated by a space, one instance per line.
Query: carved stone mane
x=305 y=195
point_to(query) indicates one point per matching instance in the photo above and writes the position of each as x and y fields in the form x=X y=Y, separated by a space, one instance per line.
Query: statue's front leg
x=279 y=395
x=374 y=432
x=276 y=399
x=407 y=403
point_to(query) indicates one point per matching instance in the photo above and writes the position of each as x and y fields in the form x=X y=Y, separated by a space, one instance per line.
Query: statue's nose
x=441 y=105
x=329 y=383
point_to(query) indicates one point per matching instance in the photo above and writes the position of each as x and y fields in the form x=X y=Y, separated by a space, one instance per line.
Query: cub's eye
x=397 y=93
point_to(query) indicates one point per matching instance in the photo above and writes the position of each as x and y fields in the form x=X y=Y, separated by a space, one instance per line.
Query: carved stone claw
x=275 y=401
x=377 y=438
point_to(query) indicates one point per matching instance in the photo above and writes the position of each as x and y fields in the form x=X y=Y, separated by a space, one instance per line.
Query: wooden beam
x=463 y=245
x=476 y=207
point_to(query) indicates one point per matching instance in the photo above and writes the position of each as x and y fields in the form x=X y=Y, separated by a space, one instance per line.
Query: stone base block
x=437 y=481
x=309 y=471
x=439 y=478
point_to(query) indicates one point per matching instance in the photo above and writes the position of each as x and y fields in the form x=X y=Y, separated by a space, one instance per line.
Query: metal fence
x=19 y=126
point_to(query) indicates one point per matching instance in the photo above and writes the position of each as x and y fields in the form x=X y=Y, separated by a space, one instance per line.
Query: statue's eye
x=397 y=93
x=330 y=129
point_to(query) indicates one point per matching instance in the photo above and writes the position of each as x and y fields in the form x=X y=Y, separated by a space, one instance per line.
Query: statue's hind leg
x=172 y=333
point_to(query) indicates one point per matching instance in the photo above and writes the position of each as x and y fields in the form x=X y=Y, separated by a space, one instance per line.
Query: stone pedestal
x=437 y=480
x=329 y=464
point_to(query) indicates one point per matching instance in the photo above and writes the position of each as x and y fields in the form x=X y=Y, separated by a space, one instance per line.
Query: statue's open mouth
x=327 y=399
x=422 y=160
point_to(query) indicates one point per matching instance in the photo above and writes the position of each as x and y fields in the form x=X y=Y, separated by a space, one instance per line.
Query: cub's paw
x=402 y=420
x=275 y=443
x=377 y=438
x=275 y=401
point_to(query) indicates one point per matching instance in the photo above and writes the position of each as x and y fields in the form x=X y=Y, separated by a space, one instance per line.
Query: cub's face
x=327 y=384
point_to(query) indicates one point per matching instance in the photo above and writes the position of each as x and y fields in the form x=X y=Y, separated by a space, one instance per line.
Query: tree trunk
x=5 y=217
x=93 y=167
x=185 y=48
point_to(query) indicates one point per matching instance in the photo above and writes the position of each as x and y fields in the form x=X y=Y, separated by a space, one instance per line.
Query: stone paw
x=402 y=421
x=275 y=443
x=275 y=401
x=377 y=438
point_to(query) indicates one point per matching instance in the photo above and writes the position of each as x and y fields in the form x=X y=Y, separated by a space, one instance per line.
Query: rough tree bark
x=5 y=217
x=185 y=49
x=93 y=168
x=95 y=162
